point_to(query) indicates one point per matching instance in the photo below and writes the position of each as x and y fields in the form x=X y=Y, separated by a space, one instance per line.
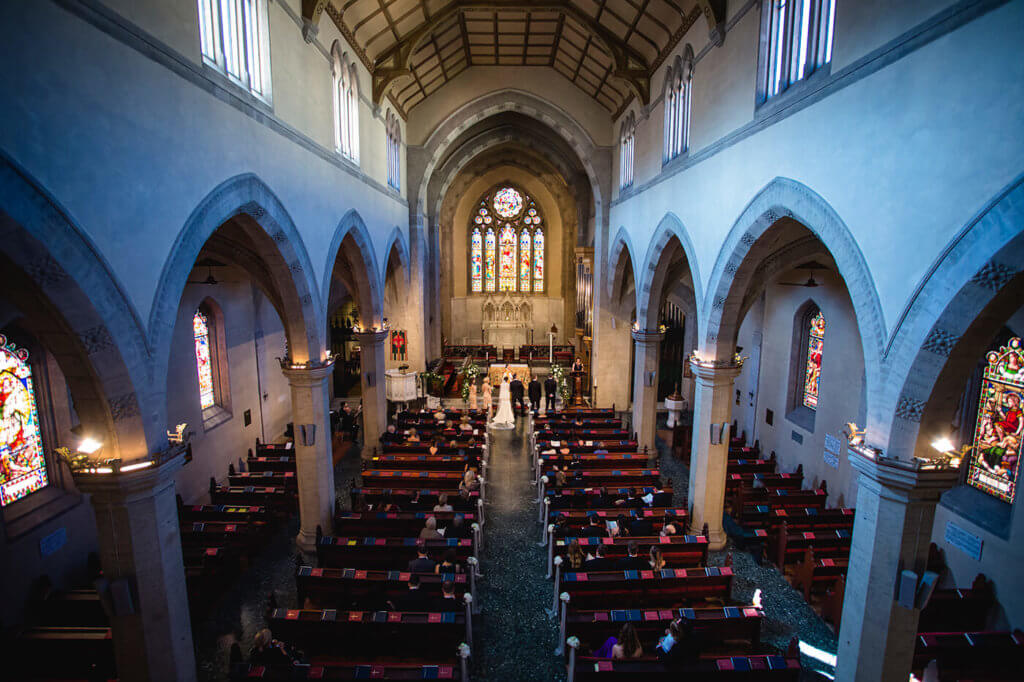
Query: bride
x=504 y=418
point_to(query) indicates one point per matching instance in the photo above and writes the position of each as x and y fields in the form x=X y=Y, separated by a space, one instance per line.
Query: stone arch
x=956 y=307
x=621 y=254
x=657 y=261
x=81 y=314
x=732 y=273
x=396 y=242
x=289 y=266
x=352 y=239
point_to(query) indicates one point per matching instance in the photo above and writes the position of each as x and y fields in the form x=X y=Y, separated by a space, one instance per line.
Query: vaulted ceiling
x=608 y=48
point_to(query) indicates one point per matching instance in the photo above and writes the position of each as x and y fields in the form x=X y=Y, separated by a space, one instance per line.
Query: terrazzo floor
x=514 y=638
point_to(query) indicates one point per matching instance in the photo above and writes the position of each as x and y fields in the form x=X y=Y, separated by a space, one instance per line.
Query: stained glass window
x=999 y=431
x=524 y=260
x=22 y=462
x=476 y=262
x=507 y=259
x=506 y=244
x=812 y=370
x=489 y=269
x=508 y=202
x=201 y=333
x=538 y=260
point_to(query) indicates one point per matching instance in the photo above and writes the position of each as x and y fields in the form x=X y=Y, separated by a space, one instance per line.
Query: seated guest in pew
x=657 y=559
x=625 y=645
x=633 y=562
x=472 y=460
x=442 y=504
x=413 y=599
x=413 y=437
x=595 y=529
x=670 y=526
x=621 y=527
x=576 y=555
x=641 y=527
x=559 y=478
x=268 y=651
x=388 y=504
x=469 y=483
x=600 y=562
x=448 y=563
x=430 y=531
x=633 y=500
x=422 y=563
x=465 y=426
x=435 y=447
x=448 y=600
x=680 y=646
x=390 y=436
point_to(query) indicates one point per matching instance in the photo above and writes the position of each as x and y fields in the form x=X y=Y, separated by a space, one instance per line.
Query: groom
x=516 y=389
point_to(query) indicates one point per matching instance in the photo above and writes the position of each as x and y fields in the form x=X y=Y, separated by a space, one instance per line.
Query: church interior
x=576 y=340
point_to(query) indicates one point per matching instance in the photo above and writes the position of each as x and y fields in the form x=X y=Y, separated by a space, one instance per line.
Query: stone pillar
x=645 y=385
x=893 y=529
x=375 y=406
x=314 y=463
x=140 y=551
x=712 y=415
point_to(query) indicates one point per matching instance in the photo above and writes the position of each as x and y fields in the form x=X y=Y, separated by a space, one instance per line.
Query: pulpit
x=399 y=386
x=577 y=390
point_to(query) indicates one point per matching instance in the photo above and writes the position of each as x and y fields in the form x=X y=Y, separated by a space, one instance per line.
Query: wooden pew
x=420 y=462
x=733 y=481
x=680 y=551
x=775 y=498
x=963 y=655
x=572 y=413
x=712 y=623
x=217 y=534
x=743 y=466
x=583 y=498
x=664 y=588
x=251 y=514
x=578 y=518
x=367 y=588
x=397 y=478
x=596 y=461
x=725 y=669
x=69 y=608
x=277 y=479
x=959 y=608
x=421 y=448
x=589 y=478
x=54 y=652
x=394 y=523
x=816 y=575
x=370 y=552
x=826 y=544
x=554 y=449
x=360 y=497
x=275 y=449
x=371 y=633
x=569 y=433
x=278 y=499
x=279 y=463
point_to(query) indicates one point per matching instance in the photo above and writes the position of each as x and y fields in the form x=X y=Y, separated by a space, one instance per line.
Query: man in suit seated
x=550 y=389
x=600 y=562
x=517 y=390
x=641 y=526
x=422 y=563
x=414 y=598
x=595 y=529
x=390 y=436
x=534 y=395
x=633 y=562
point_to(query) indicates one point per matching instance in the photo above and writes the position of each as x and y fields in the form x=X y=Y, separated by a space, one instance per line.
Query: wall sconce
x=854 y=436
x=89 y=446
x=950 y=455
x=178 y=435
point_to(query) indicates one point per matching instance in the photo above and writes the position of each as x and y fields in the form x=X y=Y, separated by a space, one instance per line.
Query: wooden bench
x=421 y=462
x=958 y=608
x=679 y=550
x=712 y=623
x=394 y=523
x=826 y=544
x=68 y=608
x=577 y=518
x=367 y=588
x=553 y=450
x=277 y=479
x=371 y=552
x=54 y=652
x=571 y=413
x=583 y=498
x=371 y=633
x=665 y=588
x=282 y=463
x=589 y=478
x=275 y=449
x=403 y=496
x=442 y=480
x=338 y=670
x=744 y=466
x=962 y=655
x=244 y=513
x=733 y=481
x=814 y=575
x=724 y=669
x=278 y=499
x=775 y=498
x=217 y=534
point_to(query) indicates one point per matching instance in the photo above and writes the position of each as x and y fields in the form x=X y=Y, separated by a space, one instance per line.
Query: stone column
x=375 y=406
x=314 y=463
x=140 y=551
x=645 y=385
x=712 y=415
x=895 y=510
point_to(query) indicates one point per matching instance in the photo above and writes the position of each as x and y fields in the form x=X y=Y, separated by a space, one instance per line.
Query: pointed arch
x=968 y=292
x=397 y=242
x=621 y=254
x=352 y=239
x=71 y=294
x=275 y=238
x=656 y=267
x=731 y=275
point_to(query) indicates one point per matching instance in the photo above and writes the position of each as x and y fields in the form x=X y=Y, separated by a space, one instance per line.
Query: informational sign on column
x=832 y=448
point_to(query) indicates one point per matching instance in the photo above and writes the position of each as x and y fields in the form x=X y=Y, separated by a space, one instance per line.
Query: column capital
x=648 y=336
x=114 y=481
x=372 y=338
x=716 y=372
x=307 y=375
x=903 y=480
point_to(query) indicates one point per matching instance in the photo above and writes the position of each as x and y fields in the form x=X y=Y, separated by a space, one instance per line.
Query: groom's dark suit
x=516 y=389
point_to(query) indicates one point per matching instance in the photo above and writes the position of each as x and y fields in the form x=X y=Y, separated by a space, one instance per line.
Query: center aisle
x=515 y=640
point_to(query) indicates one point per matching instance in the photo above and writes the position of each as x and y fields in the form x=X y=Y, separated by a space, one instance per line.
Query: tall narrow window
x=204 y=363
x=346 y=105
x=677 y=106
x=23 y=469
x=233 y=40
x=627 y=144
x=999 y=430
x=511 y=259
x=798 y=41
x=394 y=147
x=476 y=261
x=489 y=269
x=812 y=364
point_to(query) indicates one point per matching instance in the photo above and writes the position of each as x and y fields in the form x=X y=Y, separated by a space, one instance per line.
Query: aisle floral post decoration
x=470 y=371
x=564 y=390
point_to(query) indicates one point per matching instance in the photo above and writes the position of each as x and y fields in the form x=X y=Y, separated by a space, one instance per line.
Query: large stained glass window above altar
x=506 y=243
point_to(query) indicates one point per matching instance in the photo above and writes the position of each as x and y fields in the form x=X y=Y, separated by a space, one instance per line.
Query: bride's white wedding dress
x=505 y=418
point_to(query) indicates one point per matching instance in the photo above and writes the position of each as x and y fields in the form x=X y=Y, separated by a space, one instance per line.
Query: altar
x=495 y=372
